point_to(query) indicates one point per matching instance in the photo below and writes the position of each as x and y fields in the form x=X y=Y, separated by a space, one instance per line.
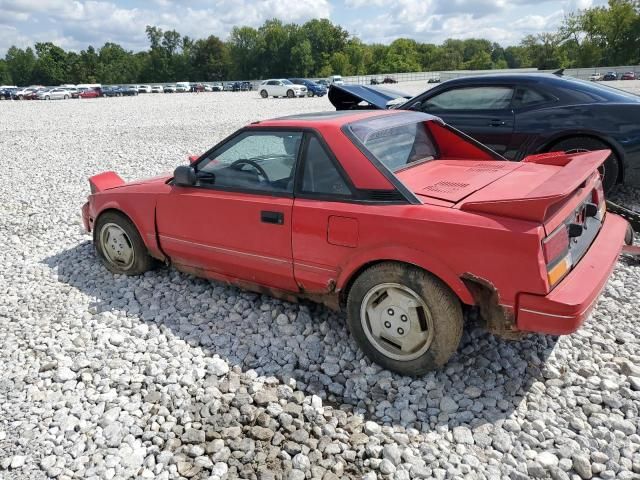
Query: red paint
x=91 y=93
x=478 y=218
x=342 y=231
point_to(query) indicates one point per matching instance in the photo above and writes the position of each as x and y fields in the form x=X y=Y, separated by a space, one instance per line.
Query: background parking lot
x=169 y=376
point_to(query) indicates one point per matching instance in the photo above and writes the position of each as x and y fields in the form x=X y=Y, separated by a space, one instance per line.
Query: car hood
x=349 y=97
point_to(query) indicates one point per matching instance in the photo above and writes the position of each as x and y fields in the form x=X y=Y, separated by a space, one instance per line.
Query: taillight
x=556 y=244
x=555 y=249
x=598 y=198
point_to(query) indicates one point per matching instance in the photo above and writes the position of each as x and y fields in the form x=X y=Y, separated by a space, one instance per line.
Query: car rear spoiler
x=533 y=205
x=362 y=97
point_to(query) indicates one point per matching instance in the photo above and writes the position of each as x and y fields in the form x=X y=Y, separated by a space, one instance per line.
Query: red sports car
x=393 y=216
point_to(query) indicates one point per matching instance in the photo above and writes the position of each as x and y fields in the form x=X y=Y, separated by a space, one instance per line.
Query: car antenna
x=559 y=73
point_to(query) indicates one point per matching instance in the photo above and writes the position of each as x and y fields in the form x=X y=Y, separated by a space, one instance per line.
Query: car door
x=325 y=218
x=484 y=112
x=235 y=223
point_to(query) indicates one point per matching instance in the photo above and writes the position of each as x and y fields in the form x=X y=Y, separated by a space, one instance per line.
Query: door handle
x=497 y=123
x=272 y=217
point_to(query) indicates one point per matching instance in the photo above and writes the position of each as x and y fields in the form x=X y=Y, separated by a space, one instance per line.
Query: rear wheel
x=290 y=94
x=264 y=94
x=609 y=169
x=66 y=97
x=403 y=318
x=119 y=245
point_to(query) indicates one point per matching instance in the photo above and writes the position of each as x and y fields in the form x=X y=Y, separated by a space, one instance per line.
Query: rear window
x=396 y=141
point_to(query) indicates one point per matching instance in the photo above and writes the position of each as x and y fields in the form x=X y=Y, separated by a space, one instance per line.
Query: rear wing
x=535 y=204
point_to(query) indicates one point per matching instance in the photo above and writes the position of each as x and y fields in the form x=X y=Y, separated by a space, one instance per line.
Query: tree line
x=597 y=36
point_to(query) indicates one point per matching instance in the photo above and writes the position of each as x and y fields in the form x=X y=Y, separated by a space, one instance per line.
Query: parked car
x=522 y=114
x=323 y=82
x=313 y=89
x=628 y=76
x=169 y=89
x=217 y=87
x=128 y=91
x=26 y=93
x=7 y=93
x=53 y=94
x=111 y=92
x=595 y=77
x=434 y=80
x=182 y=87
x=91 y=93
x=393 y=216
x=281 y=87
x=144 y=88
x=157 y=89
x=335 y=80
x=610 y=76
x=389 y=80
x=73 y=91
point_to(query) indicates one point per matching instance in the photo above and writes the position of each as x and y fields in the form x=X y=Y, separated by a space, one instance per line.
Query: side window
x=472 y=98
x=320 y=175
x=261 y=161
x=526 y=97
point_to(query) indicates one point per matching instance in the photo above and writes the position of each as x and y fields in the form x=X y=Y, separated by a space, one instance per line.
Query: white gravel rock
x=165 y=376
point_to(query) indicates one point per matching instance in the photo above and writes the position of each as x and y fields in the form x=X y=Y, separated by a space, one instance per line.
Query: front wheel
x=610 y=168
x=403 y=318
x=290 y=94
x=119 y=245
x=264 y=94
x=66 y=97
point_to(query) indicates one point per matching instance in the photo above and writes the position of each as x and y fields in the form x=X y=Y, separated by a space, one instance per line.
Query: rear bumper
x=564 y=309
x=85 y=217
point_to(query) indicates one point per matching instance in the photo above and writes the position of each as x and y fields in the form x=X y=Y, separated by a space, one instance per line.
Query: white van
x=335 y=79
x=183 y=87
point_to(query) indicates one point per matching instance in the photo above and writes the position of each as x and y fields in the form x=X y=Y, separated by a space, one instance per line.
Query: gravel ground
x=168 y=376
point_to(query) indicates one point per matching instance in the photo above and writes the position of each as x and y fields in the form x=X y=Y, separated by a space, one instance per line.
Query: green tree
x=210 y=59
x=51 y=67
x=21 y=65
x=5 y=76
x=302 y=59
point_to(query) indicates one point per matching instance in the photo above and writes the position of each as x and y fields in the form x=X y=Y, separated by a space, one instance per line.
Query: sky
x=76 y=24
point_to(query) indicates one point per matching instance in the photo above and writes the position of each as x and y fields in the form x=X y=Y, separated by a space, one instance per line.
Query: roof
x=334 y=118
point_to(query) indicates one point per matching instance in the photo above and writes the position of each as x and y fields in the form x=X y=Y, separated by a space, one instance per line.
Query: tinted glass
x=260 y=161
x=320 y=175
x=526 y=97
x=396 y=142
x=472 y=98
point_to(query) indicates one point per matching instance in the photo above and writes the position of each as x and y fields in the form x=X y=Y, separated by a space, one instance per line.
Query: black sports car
x=522 y=114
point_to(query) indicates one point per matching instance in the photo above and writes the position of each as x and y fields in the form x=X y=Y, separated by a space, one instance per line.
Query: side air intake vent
x=383 y=195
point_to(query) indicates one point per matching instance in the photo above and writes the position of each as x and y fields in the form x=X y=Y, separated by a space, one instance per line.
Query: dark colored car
x=313 y=89
x=628 y=76
x=246 y=86
x=6 y=93
x=128 y=91
x=389 y=80
x=610 y=76
x=523 y=114
x=111 y=92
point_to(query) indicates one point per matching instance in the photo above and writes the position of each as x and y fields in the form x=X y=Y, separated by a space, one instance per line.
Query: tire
x=66 y=97
x=611 y=167
x=47 y=98
x=264 y=94
x=126 y=254
x=311 y=94
x=20 y=97
x=437 y=319
x=290 y=94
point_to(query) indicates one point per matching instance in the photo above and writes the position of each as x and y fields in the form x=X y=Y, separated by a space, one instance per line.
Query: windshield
x=398 y=141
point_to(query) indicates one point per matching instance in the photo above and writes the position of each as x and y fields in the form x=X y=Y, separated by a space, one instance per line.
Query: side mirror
x=193 y=158
x=184 y=175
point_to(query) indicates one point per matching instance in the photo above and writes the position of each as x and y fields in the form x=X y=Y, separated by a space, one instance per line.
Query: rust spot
x=329 y=299
x=496 y=319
